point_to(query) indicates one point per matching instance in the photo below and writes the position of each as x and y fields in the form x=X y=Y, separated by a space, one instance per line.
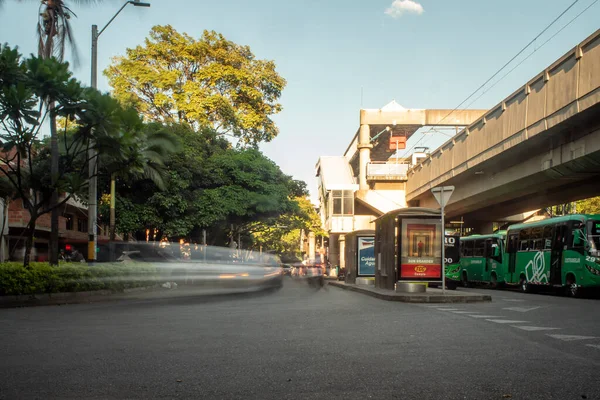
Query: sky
x=342 y=55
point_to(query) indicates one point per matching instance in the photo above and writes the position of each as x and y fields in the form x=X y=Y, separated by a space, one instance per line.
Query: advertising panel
x=421 y=252
x=452 y=250
x=366 y=255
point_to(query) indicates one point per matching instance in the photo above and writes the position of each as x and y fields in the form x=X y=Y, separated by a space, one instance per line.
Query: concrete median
x=431 y=295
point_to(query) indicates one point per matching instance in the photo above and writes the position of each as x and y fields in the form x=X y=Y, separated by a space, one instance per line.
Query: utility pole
x=92 y=163
x=93 y=155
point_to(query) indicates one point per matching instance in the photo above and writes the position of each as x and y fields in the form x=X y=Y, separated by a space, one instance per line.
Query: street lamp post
x=92 y=155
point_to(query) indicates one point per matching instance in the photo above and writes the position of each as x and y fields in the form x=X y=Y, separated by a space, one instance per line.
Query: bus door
x=488 y=259
x=558 y=245
x=513 y=245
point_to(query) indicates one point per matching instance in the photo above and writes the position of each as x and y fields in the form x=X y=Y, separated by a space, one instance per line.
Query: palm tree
x=141 y=153
x=54 y=35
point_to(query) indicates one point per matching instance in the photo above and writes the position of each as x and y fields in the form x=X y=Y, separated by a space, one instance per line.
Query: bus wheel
x=494 y=282
x=572 y=290
x=524 y=286
x=451 y=285
x=464 y=280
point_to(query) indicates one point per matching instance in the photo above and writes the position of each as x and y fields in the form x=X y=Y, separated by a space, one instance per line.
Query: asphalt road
x=299 y=343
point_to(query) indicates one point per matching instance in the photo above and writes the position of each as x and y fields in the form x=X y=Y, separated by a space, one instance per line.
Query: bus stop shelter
x=408 y=244
x=360 y=255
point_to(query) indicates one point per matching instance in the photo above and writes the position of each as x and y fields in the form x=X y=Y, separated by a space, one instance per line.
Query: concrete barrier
x=365 y=281
x=409 y=287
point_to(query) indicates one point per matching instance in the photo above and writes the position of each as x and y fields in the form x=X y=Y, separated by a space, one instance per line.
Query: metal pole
x=443 y=244
x=92 y=164
x=204 y=243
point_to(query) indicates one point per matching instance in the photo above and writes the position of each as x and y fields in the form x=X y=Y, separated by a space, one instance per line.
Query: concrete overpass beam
x=364 y=148
x=483 y=227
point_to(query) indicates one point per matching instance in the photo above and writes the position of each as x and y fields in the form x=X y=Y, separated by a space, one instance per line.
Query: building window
x=69 y=222
x=343 y=202
x=82 y=225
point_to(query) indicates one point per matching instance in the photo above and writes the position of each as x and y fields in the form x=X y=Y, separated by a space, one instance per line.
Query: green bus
x=482 y=259
x=558 y=252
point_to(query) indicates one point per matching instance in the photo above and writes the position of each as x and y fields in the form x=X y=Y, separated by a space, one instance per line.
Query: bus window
x=479 y=248
x=524 y=240
x=537 y=238
x=495 y=252
x=523 y=245
x=577 y=237
x=594 y=238
x=468 y=248
x=548 y=233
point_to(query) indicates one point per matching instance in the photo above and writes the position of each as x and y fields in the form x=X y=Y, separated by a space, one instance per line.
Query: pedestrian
x=77 y=257
x=420 y=248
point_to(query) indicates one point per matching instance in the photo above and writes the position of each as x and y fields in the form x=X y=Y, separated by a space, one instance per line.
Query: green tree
x=283 y=234
x=141 y=152
x=589 y=206
x=25 y=85
x=209 y=82
x=210 y=186
x=55 y=34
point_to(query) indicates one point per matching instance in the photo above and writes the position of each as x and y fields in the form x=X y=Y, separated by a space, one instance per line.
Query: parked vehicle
x=561 y=252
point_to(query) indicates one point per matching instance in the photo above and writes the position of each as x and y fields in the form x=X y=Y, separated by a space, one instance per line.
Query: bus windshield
x=594 y=237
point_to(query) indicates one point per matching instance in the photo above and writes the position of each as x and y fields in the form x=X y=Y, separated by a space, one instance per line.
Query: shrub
x=41 y=278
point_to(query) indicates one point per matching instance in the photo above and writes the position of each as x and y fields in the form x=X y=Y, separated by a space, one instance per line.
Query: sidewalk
x=432 y=295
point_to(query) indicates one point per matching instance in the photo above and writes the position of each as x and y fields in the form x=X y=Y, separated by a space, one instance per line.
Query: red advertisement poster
x=420 y=271
x=420 y=253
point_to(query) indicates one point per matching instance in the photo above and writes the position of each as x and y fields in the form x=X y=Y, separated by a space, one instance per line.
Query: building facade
x=369 y=179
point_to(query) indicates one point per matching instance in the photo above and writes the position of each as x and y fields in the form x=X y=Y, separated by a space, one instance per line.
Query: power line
x=533 y=52
x=504 y=66
x=530 y=54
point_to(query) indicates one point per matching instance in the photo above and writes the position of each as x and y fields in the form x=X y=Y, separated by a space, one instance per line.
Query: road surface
x=299 y=343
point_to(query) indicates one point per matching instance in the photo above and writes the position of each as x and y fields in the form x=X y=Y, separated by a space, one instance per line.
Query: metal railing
x=387 y=170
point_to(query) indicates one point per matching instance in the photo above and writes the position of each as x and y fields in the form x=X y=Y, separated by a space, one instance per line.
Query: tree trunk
x=112 y=229
x=54 y=156
x=113 y=232
x=29 y=240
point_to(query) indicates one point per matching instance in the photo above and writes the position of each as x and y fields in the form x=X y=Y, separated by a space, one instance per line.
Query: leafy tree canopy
x=589 y=206
x=207 y=82
x=209 y=185
x=27 y=87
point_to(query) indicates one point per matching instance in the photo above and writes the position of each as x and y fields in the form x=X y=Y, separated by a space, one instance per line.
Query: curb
x=414 y=298
x=54 y=299
x=43 y=299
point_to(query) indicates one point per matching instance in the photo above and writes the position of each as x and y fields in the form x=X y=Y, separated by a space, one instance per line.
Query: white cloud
x=400 y=7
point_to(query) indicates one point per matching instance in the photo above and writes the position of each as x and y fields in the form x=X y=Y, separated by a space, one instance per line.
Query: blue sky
x=422 y=53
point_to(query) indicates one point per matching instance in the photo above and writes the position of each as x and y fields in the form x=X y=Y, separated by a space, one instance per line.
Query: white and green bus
x=561 y=252
x=482 y=259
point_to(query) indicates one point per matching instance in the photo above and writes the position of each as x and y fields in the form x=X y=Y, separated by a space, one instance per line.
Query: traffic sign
x=442 y=194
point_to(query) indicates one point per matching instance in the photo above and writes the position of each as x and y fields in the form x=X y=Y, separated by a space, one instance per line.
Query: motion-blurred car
x=286 y=269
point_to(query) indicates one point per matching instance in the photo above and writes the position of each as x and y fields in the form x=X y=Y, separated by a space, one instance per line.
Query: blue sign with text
x=366 y=256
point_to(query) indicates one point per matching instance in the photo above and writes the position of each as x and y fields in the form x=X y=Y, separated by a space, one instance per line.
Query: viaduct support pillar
x=364 y=149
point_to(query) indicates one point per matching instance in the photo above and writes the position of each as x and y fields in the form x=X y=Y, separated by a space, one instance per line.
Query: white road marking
x=506 y=321
x=466 y=312
x=571 y=338
x=515 y=300
x=521 y=309
x=486 y=316
x=535 y=328
x=597 y=346
x=448 y=309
